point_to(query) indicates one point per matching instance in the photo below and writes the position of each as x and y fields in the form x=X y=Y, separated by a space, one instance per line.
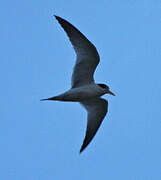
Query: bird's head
x=106 y=89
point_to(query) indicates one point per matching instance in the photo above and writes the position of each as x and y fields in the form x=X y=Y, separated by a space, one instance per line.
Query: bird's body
x=84 y=89
x=79 y=94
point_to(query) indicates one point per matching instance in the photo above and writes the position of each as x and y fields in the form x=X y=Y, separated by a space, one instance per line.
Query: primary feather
x=87 y=55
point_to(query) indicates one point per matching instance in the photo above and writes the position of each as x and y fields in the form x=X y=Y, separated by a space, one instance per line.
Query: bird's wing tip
x=82 y=149
x=57 y=17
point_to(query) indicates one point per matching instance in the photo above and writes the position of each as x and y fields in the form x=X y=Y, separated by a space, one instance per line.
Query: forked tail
x=51 y=98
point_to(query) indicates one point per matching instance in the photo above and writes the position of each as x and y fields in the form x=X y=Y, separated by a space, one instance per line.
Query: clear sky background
x=41 y=140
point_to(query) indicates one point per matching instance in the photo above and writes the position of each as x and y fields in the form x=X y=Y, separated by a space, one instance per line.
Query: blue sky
x=41 y=140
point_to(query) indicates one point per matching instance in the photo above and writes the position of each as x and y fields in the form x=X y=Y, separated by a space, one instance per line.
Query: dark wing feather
x=97 y=109
x=87 y=55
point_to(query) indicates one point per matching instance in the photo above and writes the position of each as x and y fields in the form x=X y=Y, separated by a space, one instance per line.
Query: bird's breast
x=82 y=93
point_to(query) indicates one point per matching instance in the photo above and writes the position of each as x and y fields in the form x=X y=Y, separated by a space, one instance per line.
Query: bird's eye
x=104 y=86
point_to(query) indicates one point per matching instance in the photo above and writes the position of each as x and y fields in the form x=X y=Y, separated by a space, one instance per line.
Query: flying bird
x=84 y=89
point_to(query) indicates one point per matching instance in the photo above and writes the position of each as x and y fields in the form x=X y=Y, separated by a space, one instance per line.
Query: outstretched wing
x=87 y=55
x=97 y=109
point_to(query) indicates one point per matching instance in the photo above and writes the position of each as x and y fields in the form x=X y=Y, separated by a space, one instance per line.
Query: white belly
x=81 y=93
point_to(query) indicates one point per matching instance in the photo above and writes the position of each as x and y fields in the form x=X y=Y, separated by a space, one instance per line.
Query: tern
x=84 y=89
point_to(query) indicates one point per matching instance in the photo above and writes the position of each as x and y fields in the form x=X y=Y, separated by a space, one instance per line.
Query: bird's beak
x=109 y=92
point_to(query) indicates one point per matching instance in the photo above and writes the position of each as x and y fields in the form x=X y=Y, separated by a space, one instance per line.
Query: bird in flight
x=84 y=89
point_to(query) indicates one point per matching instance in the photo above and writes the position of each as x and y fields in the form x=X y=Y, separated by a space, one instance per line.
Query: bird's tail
x=54 y=98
